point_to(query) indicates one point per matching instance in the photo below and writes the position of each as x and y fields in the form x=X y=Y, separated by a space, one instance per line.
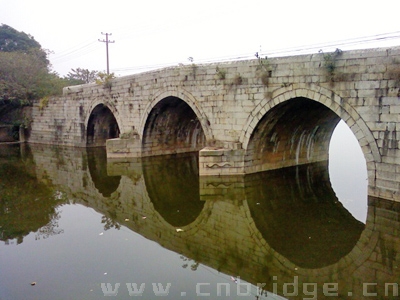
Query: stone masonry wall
x=230 y=99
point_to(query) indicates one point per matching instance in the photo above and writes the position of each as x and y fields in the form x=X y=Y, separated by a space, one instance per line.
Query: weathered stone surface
x=186 y=108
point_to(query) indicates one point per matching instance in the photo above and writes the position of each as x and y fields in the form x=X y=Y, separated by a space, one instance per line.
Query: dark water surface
x=73 y=226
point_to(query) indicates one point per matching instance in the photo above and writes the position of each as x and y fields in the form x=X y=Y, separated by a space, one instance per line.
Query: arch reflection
x=299 y=215
x=172 y=182
x=97 y=162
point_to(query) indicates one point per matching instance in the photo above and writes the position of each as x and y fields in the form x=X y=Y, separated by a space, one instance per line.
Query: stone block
x=390 y=118
x=390 y=100
x=233 y=145
x=395 y=108
x=210 y=151
x=367 y=85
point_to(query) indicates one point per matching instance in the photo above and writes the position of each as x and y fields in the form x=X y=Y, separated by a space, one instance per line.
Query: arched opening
x=102 y=126
x=292 y=133
x=172 y=127
x=306 y=219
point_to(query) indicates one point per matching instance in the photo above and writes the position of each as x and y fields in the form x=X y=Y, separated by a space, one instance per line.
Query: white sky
x=160 y=32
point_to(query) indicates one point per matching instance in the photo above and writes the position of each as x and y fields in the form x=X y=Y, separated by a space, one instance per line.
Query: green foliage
x=12 y=40
x=24 y=71
x=24 y=78
x=105 y=79
x=24 y=122
x=43 y=102
x=21 y=77
x=34 y=208
x=81 y=76
x=264 y=70
x=238 y=80
x=221 y=73
x=330 y=62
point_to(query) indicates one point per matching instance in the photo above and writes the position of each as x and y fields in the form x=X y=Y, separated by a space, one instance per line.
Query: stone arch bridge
x=243 y=117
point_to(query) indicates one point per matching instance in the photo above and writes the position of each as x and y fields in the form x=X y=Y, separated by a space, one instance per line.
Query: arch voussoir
x=327 y=98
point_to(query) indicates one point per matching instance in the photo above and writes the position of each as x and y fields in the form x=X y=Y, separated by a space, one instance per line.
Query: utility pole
x=107 y=42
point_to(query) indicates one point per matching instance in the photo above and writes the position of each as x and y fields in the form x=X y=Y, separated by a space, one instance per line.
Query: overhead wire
x=271 y=53
x=141 y=28
x=347 y=42
x=91 y=46
x=75 y=52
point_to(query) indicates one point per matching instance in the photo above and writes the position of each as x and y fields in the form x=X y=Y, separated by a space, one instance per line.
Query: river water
x=74 y=226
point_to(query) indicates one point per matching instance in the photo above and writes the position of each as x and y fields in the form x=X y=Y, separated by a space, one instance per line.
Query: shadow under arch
x=326 y=98
x=97 y=163
x=297 y=213
x=172 y=127
x=101 y=126
x=294 y=132
x=172 y=185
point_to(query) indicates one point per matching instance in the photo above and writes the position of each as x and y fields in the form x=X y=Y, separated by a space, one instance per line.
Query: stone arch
x=173 y=123
x=112 y=120
x=330 y=100
x=186 y=97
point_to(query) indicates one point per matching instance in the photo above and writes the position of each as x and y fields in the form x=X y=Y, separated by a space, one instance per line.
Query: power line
x=107 y=42
x=284 y=51
x=347 y=42
x=74 y=53
x=88 y=47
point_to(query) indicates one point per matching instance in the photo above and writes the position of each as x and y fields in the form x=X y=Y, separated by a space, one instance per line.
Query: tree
x=12 y=40
x=80 y=76
x=25 y=71
x=23 y=78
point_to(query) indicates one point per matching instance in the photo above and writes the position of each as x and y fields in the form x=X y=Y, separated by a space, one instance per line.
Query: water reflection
x=298 y=214
x=174 y=187
x=266 y=228
x=97 y=162
x=26 y=205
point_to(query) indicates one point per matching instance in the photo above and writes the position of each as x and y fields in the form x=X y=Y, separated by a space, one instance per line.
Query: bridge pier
x=122 y=148
x=217 y=161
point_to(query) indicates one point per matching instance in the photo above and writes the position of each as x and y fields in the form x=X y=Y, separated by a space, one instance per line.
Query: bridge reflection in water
x=268 y=227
